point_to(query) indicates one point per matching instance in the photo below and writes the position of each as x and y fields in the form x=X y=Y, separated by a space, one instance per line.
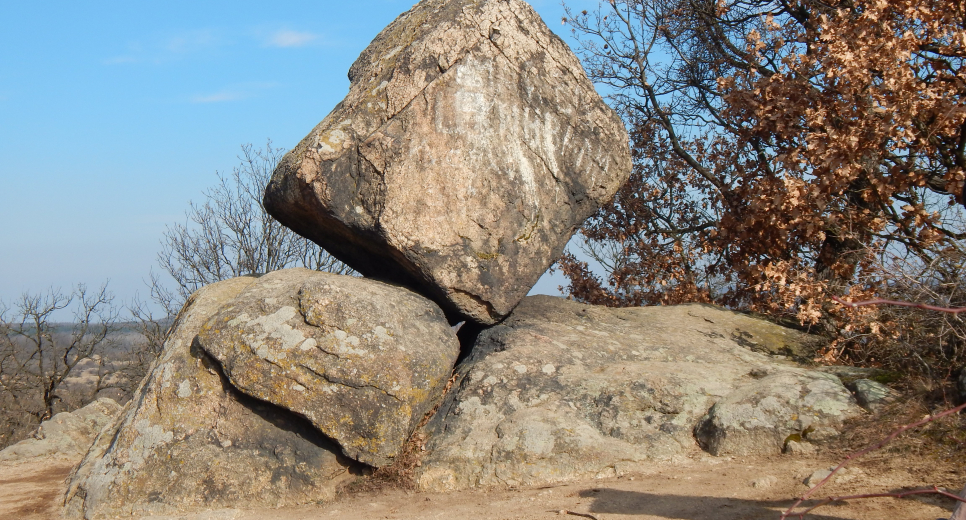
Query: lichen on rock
x=562 y=391
x=361 y=359
x=188 y=440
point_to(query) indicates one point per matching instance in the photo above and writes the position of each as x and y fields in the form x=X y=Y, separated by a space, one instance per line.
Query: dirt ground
x=702 y=488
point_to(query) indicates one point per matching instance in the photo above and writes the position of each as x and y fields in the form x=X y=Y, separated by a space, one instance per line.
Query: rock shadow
x=685 y=507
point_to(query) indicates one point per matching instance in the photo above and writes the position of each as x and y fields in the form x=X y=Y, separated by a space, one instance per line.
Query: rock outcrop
x=66 y=435
x=187 y=440
x=561 y=391
x=470 y=147
x=362 y=360
x=758 y=417
x=871 y=395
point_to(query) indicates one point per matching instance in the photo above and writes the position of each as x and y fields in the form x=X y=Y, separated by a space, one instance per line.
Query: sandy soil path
x=704 y=488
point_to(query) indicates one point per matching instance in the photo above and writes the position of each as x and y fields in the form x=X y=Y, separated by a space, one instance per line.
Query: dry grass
x=936 y=452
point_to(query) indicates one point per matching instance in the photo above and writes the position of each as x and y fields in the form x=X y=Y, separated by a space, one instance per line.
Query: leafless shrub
x=910 y=339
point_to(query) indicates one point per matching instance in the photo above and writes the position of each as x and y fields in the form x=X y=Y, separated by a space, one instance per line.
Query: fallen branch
x=788 y=513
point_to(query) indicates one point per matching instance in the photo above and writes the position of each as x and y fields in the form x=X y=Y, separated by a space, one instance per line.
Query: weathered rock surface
x=871 y=395
x=362 y=360
x=187 y=440
x=562 y=391
x=470 y=147
x=758 y=417
x=66 y=435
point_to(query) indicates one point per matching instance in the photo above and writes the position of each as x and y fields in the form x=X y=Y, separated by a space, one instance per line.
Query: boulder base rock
x=562 y=391
x=189 y=441
x=362 y=360
x=470 y=147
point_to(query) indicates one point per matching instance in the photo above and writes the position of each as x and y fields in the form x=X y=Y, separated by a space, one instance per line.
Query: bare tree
x=231 y=234
x=38 y=357
x=154 y=328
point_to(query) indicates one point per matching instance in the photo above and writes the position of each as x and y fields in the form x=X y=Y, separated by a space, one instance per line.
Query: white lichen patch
x=331 y=141
x=274 y=326
x=184 y=389
x=548 y=369
x=392 y=53
x=241 y=319
x=345 y=344
x=166 y=376
x=380 y=332
x=150 y=437
x=308 y=344
x=297 y=387
x=520 y=369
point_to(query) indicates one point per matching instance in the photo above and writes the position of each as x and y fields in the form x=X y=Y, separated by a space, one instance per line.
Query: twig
x=574 y=513
x=881 y=301
x=858 y=454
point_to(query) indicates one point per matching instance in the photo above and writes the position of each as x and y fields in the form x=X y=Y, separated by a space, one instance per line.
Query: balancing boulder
x=470 y=147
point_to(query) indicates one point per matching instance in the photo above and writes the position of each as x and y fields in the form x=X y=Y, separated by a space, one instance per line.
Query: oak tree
x=783 y=148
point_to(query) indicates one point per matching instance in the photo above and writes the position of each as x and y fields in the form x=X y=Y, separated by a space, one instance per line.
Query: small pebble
x=764 y=482
x=799 y=448
x=817 y=476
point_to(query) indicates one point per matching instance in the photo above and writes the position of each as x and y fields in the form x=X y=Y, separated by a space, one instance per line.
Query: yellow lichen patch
x=530 y=229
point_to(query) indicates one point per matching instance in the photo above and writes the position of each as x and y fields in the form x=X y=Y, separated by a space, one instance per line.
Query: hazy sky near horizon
x=114 y=115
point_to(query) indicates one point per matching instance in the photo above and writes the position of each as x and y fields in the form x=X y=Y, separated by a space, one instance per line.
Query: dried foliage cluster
x=785 y=151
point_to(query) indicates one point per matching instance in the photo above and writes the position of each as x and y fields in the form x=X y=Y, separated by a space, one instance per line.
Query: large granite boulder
x=187 y=440
x=469 y=149
x=362 y=360
x=562 y=391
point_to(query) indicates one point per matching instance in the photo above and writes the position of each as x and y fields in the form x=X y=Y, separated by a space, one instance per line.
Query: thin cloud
x=288 y=38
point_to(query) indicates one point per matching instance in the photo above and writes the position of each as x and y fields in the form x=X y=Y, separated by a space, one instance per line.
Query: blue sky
x=114 y=115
